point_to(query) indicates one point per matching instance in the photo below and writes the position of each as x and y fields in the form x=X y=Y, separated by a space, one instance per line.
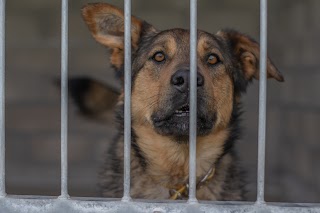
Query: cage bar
x=2 y=99
x=64 y=99
x=193 y=102
x=127 y=99
x=48 y=204
x=262 y=102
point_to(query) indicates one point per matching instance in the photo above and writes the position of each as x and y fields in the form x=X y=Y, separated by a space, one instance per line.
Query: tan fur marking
x=117 y=58
x=223 y=94
x=204 y=47
x=144 y=97
x=171 y=46
x=169 y=160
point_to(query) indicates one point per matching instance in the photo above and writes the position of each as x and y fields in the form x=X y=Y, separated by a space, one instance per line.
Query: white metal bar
x=127 y=99
x=193 y=102
x=2 y=99
x=262 y=102
x=64 y=99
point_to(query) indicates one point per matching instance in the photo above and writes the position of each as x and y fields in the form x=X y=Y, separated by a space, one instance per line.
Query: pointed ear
x=106 y=24
x=247 y=53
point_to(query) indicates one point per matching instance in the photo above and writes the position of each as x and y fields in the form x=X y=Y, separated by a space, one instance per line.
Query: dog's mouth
x=175 y=121
x=182 y=111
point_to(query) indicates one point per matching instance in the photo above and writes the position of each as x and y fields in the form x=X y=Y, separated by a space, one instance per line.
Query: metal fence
x=65 y=203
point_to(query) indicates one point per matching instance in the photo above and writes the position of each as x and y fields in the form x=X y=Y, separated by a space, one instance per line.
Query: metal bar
x=127 y=100
x=81 y=205
x=2 y=100
x=193 y=102
x=64 y=99
x=262 y=101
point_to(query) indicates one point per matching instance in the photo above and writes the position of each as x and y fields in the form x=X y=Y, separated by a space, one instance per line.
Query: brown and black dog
x=227 y=62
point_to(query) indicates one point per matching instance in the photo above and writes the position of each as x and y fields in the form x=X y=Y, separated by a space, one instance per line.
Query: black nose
x=180 y=80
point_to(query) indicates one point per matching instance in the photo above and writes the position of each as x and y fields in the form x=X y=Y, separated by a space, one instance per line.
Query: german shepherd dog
x=226 y=63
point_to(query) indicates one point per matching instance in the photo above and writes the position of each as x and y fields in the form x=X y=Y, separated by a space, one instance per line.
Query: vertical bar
x=64 y=99
x=127 y=100
x=193 y=102
x=262 y=101
x=2 y=99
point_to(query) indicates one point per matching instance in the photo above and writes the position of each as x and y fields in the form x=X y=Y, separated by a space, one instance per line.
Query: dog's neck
x=167 y=161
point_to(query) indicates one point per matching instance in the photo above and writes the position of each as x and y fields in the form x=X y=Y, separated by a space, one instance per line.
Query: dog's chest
x=144 y=186
x=150 y=182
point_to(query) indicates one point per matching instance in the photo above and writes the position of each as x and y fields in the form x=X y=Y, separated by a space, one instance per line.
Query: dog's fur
x=227 y=63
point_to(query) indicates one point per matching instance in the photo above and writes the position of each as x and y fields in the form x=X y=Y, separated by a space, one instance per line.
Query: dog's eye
x=213 y=59
x=159 y=57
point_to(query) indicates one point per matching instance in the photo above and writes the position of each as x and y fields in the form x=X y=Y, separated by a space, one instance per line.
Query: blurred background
x=33 y=101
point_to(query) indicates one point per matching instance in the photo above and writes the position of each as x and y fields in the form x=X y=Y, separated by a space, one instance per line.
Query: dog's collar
x=181 y=192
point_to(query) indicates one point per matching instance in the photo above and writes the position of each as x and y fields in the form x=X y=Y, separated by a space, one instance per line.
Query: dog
x=226 y=64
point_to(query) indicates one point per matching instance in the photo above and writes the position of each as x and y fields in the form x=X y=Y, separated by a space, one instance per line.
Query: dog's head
x=226 y=63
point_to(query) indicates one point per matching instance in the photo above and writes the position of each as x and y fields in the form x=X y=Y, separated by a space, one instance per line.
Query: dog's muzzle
x=172 y=118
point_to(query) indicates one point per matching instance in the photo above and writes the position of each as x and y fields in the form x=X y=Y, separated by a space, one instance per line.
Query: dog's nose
x=180 y=80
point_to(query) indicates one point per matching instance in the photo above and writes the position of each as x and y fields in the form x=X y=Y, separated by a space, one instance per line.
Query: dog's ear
x=247 y=53
x=106 y=24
